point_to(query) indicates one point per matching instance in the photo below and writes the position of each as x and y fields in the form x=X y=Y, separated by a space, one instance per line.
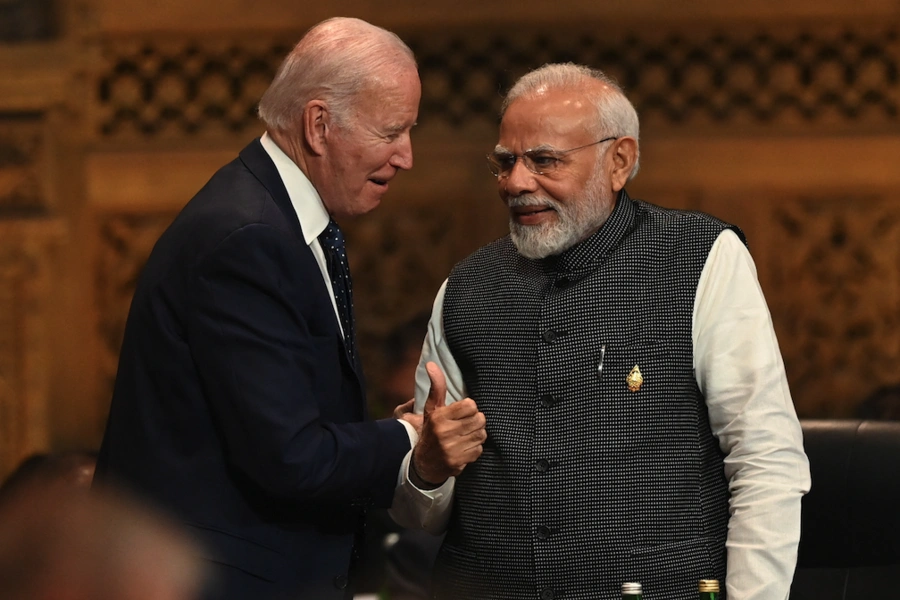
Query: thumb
x=437 y=395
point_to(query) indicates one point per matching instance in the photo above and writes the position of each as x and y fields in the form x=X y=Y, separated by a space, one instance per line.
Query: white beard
x=577 y=218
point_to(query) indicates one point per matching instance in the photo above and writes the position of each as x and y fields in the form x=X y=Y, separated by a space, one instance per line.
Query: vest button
x=550 y=336
x=543 y=532
x=341 y=581
x=547 y=594
x=542 y=465
x=547 y=400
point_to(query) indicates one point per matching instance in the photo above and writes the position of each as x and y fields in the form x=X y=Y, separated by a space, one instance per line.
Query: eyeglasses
x=539 y=161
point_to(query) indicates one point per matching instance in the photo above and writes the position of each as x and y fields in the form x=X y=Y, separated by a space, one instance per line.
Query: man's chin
x=364 y=205
x=534 y=245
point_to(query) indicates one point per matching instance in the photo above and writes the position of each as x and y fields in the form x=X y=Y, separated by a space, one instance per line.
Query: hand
x=451 y=438
x=405 y=412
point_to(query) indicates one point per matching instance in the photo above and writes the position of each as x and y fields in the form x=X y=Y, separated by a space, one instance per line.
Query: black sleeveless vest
x=588 y=478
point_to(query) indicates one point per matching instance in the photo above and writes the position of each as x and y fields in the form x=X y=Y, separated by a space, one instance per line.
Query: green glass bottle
x=632 y=591
x=709 y=589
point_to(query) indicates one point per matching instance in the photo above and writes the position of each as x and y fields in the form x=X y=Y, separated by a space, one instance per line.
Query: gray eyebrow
x=498 y=149
x=541 y=148
x=398 y=128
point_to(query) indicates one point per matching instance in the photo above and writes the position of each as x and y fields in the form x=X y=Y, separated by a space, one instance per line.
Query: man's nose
x=403 y=157
x=519 y=180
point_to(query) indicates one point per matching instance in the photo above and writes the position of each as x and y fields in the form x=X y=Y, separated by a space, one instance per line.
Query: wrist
x=419 y=481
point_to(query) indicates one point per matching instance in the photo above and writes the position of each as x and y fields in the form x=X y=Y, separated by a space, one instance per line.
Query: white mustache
x=531 y=200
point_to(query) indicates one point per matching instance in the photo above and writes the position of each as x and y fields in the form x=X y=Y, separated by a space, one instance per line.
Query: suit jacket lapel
x=257 y=160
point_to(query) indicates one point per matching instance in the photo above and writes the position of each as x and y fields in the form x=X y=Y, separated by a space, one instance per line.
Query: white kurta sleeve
x=412 y=507
x=740 y=371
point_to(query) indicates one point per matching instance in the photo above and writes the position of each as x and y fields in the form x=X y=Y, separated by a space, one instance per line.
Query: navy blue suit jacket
x=236 y=407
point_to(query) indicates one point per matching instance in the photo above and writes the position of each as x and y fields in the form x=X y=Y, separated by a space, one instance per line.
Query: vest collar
x=584 y=257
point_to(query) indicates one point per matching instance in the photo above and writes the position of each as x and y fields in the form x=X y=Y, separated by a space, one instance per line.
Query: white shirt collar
x=305 y=199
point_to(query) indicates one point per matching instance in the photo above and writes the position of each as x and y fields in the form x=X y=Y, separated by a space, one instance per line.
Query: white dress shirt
x=740 y=372
x=307 y=204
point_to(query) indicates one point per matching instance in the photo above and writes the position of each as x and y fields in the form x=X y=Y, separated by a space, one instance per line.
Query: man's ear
x=316 y=126
x=624 y=156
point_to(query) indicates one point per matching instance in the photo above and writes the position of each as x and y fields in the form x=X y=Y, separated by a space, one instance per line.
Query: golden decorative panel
x=184 y=88
x=12 y=270
x=834 y=291
x=20 y=164
x=836 y=77
x=26 y=249
x=26 y=245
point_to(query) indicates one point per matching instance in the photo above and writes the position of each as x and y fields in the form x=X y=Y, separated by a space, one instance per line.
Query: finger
x=437 y=395
x=462 y=409
x=406 y=407
x=415 y=420
x=447 y=426
x=470 y=425
x=472 y=453
x=465 y=457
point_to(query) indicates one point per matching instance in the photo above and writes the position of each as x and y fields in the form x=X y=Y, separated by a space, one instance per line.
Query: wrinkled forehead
x=393 y=99
x=558 y=118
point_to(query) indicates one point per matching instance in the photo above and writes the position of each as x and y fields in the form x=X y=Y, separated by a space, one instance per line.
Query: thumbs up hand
x=451 y=437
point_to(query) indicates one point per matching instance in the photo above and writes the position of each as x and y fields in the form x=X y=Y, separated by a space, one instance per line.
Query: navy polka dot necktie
x=332 y=241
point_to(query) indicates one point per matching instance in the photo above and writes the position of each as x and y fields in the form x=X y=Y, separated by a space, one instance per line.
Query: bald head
x=335 y=61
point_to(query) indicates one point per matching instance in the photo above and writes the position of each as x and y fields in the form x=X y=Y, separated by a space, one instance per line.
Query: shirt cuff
x=421 y=509
x=411 y=432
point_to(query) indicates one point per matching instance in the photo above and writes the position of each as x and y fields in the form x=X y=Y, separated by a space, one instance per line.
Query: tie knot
x=332 y=236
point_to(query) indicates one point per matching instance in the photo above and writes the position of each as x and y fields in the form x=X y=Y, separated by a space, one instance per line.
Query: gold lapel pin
x=635 y=380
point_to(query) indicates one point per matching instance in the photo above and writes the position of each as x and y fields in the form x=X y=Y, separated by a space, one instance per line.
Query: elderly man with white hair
x=239 y=404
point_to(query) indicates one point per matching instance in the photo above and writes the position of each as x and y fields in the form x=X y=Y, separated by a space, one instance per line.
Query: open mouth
x=379 y=182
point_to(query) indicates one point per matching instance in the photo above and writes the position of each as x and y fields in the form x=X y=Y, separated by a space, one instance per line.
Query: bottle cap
x=709 y=585
x=631 y=588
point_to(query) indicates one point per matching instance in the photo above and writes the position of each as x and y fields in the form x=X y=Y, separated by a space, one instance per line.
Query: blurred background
x=780 y=116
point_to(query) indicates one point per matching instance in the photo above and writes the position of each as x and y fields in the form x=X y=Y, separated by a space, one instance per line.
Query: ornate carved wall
x=831 y=77
x=28 y=239
x=836 y=294
x=785 y=120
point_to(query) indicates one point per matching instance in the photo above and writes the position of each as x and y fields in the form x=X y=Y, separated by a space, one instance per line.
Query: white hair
x=616 y=115
x=335 y=61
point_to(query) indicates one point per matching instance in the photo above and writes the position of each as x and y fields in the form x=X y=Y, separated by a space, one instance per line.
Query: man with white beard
x=639 y=423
